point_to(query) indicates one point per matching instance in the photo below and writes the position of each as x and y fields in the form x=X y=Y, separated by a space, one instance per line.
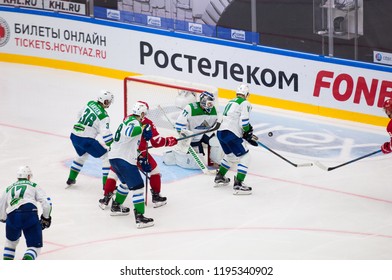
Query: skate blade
x=218 y=185
x=239 y=192
x=144 y=225
x=159 y=204
x=102 y=206
x=118 y=214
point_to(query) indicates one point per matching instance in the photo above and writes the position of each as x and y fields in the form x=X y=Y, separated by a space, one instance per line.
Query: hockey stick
x=320 y=165
x=215 y=127
x=285 y=159
x=147 y=177
x=191 y=151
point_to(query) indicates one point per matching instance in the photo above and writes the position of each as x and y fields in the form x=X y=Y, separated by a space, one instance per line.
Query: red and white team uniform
x=386 y=148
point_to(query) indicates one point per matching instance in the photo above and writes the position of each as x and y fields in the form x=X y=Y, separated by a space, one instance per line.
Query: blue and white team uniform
x=19 y=210
x=93 y=120
x=235 y=128
x=124 y=156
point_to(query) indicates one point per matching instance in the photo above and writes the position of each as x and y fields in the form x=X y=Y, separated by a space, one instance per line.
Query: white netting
x=164 y=94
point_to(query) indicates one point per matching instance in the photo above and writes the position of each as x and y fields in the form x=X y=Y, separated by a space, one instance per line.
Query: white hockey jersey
x=23 y=192
x=235 y=116
x=127 y=140
x=195 y=119
x=93 y=120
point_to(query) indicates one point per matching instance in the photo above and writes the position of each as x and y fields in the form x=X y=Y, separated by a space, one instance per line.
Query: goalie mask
x=106 y=98
x=207 y=101
x=24 y=172
x=140 y=107
x=243 y=89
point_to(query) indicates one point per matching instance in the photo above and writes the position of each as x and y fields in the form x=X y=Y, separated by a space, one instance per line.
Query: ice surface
x=293 y=214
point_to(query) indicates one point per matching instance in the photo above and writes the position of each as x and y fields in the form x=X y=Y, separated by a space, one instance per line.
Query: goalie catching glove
x=249 y=137
x=45 y=222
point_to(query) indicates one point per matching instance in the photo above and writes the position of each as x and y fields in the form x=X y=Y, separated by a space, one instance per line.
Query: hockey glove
x=147 y=132
x=386 y=148
x=2 y=221
x=171 y=141
x=45 y=222
x=250 y=138
x=144 y=165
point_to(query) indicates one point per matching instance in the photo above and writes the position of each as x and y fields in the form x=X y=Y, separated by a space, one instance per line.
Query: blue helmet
x=207 y=101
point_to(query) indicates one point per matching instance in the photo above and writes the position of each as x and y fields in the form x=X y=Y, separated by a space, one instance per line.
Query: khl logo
x=112 y=14
x=195 y=27
x=155 y=21
x=238 y=34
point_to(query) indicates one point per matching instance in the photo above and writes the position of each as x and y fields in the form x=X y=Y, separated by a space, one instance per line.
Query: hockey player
x=93 y=120
x=235 y=127
x=124 y=158
x=386 y=148
x=18 y=209
x=155 y=176
x=195 y=118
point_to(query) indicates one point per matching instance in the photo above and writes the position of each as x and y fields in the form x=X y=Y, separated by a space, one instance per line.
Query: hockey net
x=165 y=94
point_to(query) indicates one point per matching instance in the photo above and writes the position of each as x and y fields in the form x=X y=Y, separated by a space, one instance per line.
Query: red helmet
x=388 y=105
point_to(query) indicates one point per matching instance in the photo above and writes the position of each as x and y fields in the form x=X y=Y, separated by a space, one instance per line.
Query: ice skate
x=240 y=188
x=118 y=209
x=221 y=180
x=103 y=202
x=158 y=200
x=70 y=182
x=141 y=221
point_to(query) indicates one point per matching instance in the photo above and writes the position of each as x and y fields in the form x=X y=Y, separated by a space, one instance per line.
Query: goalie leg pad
x=186 y=160
x=216 y=151
x=181 y=159
x=182 y=146
x=169 y=158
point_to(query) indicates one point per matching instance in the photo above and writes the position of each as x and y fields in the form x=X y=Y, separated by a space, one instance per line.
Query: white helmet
x=24 y=172
x=184 y=98
x=207 y=101
x=243 y=89
x=140 y=107
x=106 y=98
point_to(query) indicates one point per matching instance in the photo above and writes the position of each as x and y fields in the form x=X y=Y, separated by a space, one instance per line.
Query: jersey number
x=17 y=193
x=88 y=118
x=118 y=133
x=227 y=108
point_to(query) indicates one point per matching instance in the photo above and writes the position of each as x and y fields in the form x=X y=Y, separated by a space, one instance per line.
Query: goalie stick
x=285 y=159
x=191 y=151
x=215 y=127
x=320 y=165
